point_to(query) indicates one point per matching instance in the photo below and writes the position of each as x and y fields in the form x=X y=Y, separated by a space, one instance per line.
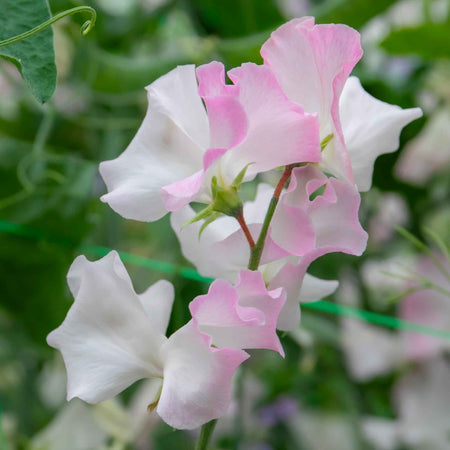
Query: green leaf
x=430 y=41
x=354 y=13
x=34 y=56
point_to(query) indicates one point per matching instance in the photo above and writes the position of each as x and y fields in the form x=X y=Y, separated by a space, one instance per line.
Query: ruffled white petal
x=168 y=147
x=107 y=340
x=157 y=301
x=370 y=127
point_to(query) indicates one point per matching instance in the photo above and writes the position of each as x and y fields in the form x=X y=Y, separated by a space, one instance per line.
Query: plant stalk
x=257 y=249
x=205 y=435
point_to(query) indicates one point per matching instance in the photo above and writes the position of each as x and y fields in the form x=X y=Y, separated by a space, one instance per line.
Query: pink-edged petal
x=293 y=230
x=371 y=127
x=300 y=287
x=107 y=340
x=168 y=147
x=290 y=278
x=327 y=223
x=311 y=63
x=157 y=301
x=279 y=132
x=220 y=308
x=197 y=379
x=211 y=156
x=180 y=193
x=227 y=118
x=337 y=225
x=241 y=317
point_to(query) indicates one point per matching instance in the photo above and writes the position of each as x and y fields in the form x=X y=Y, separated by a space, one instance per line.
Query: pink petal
x=311 y=63
x=197 y=379
x=227 y=118
x=290 y=278
x=293 y=230
x=337 y=224
x=180 y=193
x=333 y=215
x=279 y=132
x=241 y=317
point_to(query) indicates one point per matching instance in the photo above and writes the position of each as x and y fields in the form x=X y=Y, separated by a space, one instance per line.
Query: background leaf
x=430 y=41
x=34 y=56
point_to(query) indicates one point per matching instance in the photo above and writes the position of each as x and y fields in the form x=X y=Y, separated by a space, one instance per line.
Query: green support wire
x=161 y=266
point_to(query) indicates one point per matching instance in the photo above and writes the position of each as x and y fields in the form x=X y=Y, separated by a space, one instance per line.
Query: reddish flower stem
x=240 y=218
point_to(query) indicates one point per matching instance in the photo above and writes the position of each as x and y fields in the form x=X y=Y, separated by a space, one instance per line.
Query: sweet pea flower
x=112 y=337
x=181 y=146
x=242 y=316
x=302 y=230
x=312 y=64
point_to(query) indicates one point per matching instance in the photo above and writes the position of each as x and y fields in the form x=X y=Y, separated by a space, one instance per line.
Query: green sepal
x=214 y=216
x=239 y=177
x=325 y=141
x=203 y=214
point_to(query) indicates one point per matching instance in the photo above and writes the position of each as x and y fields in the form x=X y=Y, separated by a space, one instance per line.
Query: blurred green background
x=49 y=182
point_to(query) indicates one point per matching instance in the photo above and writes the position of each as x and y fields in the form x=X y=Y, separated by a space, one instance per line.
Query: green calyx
x=225 y=200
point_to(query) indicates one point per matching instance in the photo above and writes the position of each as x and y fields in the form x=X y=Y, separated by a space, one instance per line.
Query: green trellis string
x=185 y=272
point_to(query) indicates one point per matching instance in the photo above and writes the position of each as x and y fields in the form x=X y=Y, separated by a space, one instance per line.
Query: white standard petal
x=370 y=127
x=157 y=301
x=168 y=147
x=107 y=340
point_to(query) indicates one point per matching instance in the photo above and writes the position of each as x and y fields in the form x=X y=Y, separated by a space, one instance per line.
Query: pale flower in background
x=428 y=154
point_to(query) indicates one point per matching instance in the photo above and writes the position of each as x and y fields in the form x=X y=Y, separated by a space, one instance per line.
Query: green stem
x=257 y=249
x=253 y=264
x=85 y=28
x=205 y=435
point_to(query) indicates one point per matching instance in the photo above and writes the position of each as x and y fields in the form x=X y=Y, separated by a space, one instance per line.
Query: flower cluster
x=201 y=139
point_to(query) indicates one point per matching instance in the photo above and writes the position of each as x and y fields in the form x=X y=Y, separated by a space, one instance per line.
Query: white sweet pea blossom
x=113 y=337
x=181 y=144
